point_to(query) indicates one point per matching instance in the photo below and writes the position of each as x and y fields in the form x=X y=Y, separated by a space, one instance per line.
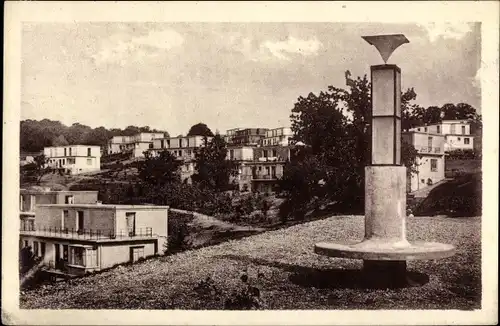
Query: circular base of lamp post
x=384 y=261
x=385 y=250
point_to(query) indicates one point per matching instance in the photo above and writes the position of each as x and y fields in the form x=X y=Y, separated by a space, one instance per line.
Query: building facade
x=277 y=136
x=136 y=145
x=457 y=134
x=430 y=160
x=245 y=137
x=74 y=159
x=183 y=148
x=75 y=239
x=30 y=198
x=266 y=168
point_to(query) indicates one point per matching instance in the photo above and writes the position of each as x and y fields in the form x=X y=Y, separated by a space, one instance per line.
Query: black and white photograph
x=161 y=162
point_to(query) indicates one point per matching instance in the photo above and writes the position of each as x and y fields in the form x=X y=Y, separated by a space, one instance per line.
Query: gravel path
x=293 y=276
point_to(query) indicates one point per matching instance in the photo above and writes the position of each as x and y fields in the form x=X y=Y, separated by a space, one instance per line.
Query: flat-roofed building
x=74 y=159
x=75 y=239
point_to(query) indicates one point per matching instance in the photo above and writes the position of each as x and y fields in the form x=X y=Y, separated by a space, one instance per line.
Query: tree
x=212 y=168
x=334 y=125
x=60 y=141
x=36 y=170
x=160 y=169
x=200 y=129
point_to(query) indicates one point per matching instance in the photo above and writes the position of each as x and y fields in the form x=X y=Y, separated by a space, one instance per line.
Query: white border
x=403 y=12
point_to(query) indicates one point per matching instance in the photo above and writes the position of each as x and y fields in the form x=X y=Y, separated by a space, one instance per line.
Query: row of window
x=67 y=161
x=68 y=151
x=452 y=129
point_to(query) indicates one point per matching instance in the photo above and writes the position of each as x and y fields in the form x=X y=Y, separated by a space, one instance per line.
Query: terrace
x=85 y=234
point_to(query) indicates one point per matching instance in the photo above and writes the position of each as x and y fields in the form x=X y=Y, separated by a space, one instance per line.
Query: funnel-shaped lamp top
x=386 y=44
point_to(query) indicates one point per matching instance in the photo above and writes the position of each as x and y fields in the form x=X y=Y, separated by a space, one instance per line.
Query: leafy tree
x=36 y=170
x=200 y=129
x=212 y=168
x=60 y=141
x=334 y=125
x=160 y=169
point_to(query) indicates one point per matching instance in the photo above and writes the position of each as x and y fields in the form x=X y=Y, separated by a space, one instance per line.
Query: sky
x=171 y=76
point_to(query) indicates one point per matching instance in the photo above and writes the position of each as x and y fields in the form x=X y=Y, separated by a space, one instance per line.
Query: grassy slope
x=294 y=277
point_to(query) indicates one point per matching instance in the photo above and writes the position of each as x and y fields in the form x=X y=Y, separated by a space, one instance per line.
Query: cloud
x=447 y=30
x=120 y=51
x=292 y=45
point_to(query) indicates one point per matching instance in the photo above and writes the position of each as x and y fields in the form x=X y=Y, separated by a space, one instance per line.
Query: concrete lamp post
x=384 y=249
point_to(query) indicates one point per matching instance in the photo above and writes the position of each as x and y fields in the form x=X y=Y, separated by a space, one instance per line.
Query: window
x=425 y=129
x=130 y=217
x=418 y=129
x=151 y=145
x=25 y=243
x=89 y=152
x=162 y=143
x=21 y=204
x=35 y=248
x=76 y=256
x=69 y=199
x=267 y=170
x=452 y=129
x=70 y=151
x=65 y=216
x=89 y=161
x=434 y=167
x=42 y=249
x=79 y=220
x=463 y=130
x=273 y=171
x=466 y=141
x=231 y=154
x=168 y=143
x=180 y=143
x=136 y=253
x=274 y=153
x=265 y=153
x=65 y=252
x=64 y=151
x=438 y=129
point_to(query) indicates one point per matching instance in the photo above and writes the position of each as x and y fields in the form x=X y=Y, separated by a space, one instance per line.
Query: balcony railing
x=429 y=150
x=86 y=234
x=264 y=177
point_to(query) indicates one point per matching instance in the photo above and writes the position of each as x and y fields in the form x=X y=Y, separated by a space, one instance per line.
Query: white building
x=457 y=134
x=183 y=148
x=136 y=144
x=74 y=159
x=430 y=164
x=277 y=136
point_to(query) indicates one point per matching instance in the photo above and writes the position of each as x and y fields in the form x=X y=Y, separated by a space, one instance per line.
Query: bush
x=178 y=230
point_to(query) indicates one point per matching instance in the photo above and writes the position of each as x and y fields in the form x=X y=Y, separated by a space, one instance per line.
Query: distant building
x=265 y=170
x=430 y=166
x=457 y=134
x=183 y=148
x=74 y=159
x=228 y=137
x=135 y=145
x=241 y=155
x=245 y=137
x=30 y=198
x=277 y=136
x=28 y=157
x=74 y=239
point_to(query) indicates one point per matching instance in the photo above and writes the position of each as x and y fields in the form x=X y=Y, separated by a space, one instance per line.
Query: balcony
x=429 y=150
x=264 y=177
x=85 y=234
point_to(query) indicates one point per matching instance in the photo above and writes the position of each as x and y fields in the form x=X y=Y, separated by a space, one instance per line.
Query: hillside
x=459 y=197
x=287 y=273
